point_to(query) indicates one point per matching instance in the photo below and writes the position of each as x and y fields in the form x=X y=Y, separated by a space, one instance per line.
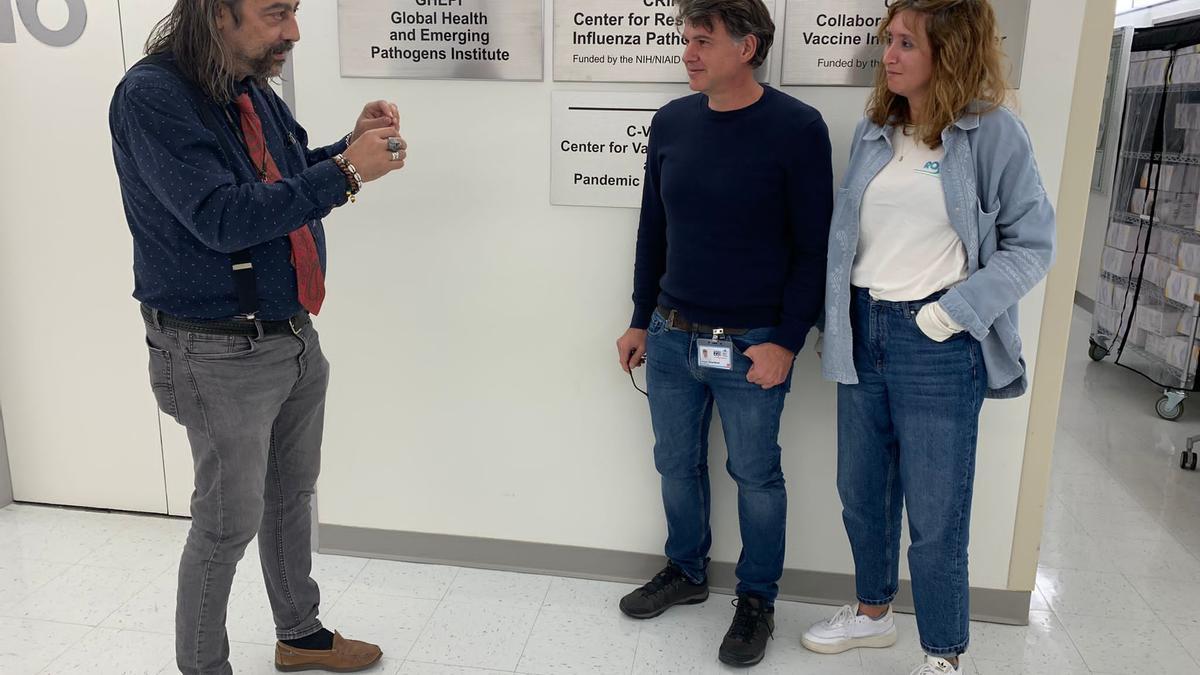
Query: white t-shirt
x=907 y=248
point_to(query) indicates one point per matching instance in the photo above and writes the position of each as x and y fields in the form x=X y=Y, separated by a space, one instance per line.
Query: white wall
x=1161 y=13
x=471 y=327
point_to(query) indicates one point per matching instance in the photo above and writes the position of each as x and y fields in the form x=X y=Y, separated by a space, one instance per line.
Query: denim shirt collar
x=968 y=121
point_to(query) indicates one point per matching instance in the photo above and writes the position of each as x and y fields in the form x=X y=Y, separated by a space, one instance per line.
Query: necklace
x=902 y=146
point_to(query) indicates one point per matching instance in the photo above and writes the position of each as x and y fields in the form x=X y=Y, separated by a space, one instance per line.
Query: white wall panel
x=79 y=416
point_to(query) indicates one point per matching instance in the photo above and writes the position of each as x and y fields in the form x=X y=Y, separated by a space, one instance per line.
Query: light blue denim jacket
x=998 y=207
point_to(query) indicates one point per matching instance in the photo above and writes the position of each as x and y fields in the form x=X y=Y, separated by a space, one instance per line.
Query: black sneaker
x=668 y=588
x=753 y=624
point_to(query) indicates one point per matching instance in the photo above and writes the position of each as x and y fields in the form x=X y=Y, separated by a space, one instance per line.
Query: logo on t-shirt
x=931 y=169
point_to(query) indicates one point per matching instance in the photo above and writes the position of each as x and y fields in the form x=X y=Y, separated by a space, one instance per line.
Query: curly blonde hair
x=968 y=66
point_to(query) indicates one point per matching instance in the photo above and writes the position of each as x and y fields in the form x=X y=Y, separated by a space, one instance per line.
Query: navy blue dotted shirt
x=189 y=208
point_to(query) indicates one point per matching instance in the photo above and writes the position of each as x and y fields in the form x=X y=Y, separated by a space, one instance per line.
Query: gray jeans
x=254 y=410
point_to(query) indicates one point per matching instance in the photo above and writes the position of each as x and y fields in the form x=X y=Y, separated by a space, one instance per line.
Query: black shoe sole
x=695 y=600
x=730 y=660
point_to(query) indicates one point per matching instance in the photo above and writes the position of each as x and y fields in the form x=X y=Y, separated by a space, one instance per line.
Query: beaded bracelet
x=354 y=181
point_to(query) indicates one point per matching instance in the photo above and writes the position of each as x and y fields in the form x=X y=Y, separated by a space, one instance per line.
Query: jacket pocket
x=987 y=232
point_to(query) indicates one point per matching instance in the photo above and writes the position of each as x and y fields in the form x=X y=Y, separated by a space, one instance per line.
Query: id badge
x=716 y=354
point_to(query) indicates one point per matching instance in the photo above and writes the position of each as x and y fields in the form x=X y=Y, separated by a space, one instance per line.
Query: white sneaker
x=937 y=666
x=848 y=630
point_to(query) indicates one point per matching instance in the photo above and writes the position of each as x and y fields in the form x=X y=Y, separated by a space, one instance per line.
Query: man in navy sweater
x=728 y=281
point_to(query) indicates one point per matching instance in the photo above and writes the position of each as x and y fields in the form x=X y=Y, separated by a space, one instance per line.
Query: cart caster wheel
x=1096 y=352
x=1165 y=411
x=1187 y=460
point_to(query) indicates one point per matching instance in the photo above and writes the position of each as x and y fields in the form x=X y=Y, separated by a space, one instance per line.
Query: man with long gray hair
x=728 y=280
x=224 y=198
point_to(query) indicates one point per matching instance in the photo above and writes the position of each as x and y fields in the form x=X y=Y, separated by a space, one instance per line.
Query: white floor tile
x=112 y=651
x=19 y=578
x=1173 y=600
x=1058 y=519
x=567 y=644
x=1077 y=552
x=152 y=554
x=1078 y=491
x=1188 y=635
x=985 y=667
x=336 y=572
x=792 y=619
x=1091 y=594
x=1163 y=558
x=392 y=622
x=152 y=610
x=521 y=591
x=584 y=596
x=412 y=580
x=66 y=545
x=1122 y=645
x=27 y=646
x=469 y=634
x=82 y=595
x=249 y=618
x=1118 y=521
x=416 y=668
x=1037 y=602
x=246 y=659
x=667 y=647
x=1042 y=646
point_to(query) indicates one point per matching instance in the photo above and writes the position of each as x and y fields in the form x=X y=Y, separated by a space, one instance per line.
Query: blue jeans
x=906 y=438
x=681 y=404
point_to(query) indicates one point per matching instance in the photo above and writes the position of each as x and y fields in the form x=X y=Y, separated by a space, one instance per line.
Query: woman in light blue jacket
x=941 y=226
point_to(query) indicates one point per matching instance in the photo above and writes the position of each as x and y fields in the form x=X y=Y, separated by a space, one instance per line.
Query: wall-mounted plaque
x=623 y=41
x=441 y=39
x=834 y=42
x=598 y=146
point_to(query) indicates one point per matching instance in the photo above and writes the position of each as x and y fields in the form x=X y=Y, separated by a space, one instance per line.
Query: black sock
x=322 y=639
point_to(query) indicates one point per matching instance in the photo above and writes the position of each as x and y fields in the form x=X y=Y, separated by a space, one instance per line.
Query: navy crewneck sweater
x=735 y=216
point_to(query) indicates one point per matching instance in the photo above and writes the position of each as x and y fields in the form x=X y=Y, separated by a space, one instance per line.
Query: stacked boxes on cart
x=1170 y=270
x=1149 y=68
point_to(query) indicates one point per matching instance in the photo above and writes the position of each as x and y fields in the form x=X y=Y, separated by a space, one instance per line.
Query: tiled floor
x=1118 y=589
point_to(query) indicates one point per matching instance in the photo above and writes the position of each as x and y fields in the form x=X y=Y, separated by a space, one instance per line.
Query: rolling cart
x=1147 y=304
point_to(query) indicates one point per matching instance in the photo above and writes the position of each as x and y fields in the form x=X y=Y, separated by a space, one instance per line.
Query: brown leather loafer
x=347 y=656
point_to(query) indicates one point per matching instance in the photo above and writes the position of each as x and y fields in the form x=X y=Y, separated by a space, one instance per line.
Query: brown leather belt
x=677 y=321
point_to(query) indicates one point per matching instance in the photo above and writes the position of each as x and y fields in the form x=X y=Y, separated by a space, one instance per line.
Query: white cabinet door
x=79 y=415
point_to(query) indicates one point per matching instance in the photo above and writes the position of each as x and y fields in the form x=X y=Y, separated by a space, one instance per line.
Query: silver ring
x=393 y=144
x=395 y=157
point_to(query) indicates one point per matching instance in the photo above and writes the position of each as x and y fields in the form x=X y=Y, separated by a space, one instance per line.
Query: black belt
x=676 y=321
x=241 y=327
